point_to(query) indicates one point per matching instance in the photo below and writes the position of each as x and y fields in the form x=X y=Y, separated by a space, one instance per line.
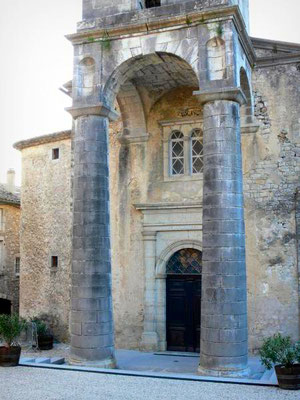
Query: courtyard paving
x=24 y=383
x=185 y=364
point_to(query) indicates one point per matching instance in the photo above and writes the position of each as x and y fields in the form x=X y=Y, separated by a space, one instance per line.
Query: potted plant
x=44 y=336
x=11 y=327
x=279 y=351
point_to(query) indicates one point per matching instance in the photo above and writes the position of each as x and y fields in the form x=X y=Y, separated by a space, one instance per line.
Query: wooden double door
x=183 y=312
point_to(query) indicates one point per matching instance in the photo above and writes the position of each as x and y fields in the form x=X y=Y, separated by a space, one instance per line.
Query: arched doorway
x=183 y=300
x=5 y=306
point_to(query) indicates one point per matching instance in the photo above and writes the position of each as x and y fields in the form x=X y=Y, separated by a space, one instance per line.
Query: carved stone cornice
x=94 y=109
x=231 y=94
x=158 y=24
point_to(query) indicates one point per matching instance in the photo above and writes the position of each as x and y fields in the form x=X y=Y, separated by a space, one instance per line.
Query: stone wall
x=46 y=231
x=9 y=281
x=271 y=179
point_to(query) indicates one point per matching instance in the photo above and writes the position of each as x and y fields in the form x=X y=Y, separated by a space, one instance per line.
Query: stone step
x=43 y=360
x=57 y=360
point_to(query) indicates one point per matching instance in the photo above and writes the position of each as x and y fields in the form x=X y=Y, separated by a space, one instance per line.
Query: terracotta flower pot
x=288 y=378
x=45 y=342
x=9 y=356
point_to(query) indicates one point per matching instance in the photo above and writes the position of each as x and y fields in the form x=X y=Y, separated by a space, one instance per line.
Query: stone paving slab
x=24 y=383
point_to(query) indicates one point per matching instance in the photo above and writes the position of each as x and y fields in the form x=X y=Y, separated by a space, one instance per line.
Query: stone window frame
x=186 y=126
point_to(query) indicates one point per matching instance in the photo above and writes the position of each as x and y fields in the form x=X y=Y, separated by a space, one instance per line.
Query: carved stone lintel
x=93 y=109
x=231 y=94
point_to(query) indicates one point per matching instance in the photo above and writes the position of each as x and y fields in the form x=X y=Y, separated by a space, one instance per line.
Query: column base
x=230 y=373
x=108 y=363
x=149 y=341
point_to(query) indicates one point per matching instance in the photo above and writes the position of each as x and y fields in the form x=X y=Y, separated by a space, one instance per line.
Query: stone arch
x=86 y=77
x=247 y=108
x=216 y=59
x=167 y=253
x=171 y=69
x=132 y=112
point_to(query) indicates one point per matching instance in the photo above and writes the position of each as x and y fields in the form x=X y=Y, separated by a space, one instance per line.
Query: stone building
x=9 y=245
x=197 y=202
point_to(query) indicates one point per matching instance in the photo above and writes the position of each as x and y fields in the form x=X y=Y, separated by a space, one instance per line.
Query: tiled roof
x=7 y=197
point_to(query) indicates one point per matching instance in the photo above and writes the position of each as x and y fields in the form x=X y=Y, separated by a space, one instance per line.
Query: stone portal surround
x=167 y=228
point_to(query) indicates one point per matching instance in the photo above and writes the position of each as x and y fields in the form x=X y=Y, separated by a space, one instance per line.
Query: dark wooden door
x=183 y=312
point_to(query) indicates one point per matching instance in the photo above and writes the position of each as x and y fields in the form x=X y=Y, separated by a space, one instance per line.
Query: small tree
x=11 y=326
x=279 y=350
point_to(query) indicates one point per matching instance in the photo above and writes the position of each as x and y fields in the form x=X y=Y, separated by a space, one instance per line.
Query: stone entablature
x=113 y=13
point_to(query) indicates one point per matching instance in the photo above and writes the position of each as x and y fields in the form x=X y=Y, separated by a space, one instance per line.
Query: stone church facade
x=180 y=176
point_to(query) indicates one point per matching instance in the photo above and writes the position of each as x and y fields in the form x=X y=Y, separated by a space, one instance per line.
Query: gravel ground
x=23 y=383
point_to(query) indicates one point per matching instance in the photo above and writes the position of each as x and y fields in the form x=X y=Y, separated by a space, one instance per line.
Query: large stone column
x=224 y=345
x=92 y=328
x=149 y=338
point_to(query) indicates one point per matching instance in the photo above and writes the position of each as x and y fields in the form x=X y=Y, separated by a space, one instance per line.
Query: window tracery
x=196 y=151
x=185 y=261
x=177 y=153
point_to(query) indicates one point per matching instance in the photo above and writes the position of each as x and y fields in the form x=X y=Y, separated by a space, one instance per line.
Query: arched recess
x=132 y=113
x=86 y=77
x=157 y=71
x=246 y=109
x=216 y=59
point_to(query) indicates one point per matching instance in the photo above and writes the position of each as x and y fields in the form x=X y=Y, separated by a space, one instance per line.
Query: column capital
x=149 y=236
x=93 y=109
x=230 y=93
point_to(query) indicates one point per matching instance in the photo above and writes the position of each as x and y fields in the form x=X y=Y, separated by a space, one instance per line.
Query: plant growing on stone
x=279 y=350
x=105 y=41
x=188 y=20
x=219 y=30
x=11 y=326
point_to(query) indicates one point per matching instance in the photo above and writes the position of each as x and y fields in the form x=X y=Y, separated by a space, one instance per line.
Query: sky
x=37 y=59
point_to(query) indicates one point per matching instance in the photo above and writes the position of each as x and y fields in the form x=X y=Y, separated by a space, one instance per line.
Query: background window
x=1 y=219
x=54 y=262
x=1 y=256
x=17 y=266
x=196 y=152
x=55 y=154
x=177 y=153
x=152 y=3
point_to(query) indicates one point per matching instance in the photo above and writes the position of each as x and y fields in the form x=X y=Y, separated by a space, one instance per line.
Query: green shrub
x=11 y=326
x=41 y=327
x=279 y=350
